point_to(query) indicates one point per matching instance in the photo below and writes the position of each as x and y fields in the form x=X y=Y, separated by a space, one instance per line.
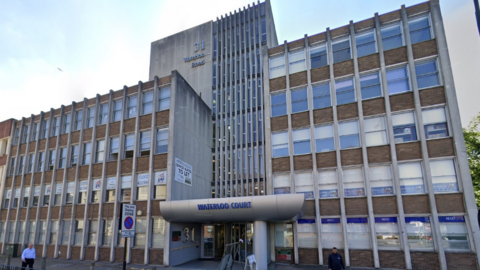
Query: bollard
x=7 y=259
x=92 y=266
x=44 y=263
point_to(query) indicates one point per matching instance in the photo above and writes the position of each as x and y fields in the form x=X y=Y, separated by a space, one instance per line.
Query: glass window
x=100 y=153
x=55 y=126
x=387 y=232
x=74 y=157
x=51 y=159
x=21 y=231
x=126 y=191
x=392 y=36
x=454 y=233
x=65 y=232
x=280 y=144
x=279 y=104
x=31 y=231
x=162 y=140
x=16 y=136
x=17 y=197
x=53 y=232
x=307 y=233
x=348 y=132
x=102 y=116
x=327 y=184
x=45 y=126
x=435 y=123
x=358 y=233
x=35 y=131
x=427 y=74
x=381 y=180
x=82 y=192
x=21 y=165
x=107 y=232
x=370 y=85
x=277 y=66
x=87 y=148
x=419 y=29
x=96 y=190
x=62 y=159
x=66 y=123
x=70 y=192
x=397 y=80
x=58 y=194
x=304 y=184
x=404 y=127
x=147 y=103
x=31 y=160
x=78 y=120
x=158 y=232
x=129 y=145
x=164 y=98
x=42 y=228
x=375 y=131
x=90 y=117
x=145 y=143
x=353 y=184
x=36 y=195
x=117 y=111
x=321 y=96
x=111 y=186
x=419 y=233
x=26 y=195
x=160 y=192
x=297 y=61
x=341 y=50
x=140 y=232
x=301 y=141
x=46 y=195
x=283 y=235
x=444 y=177
x=299 y=100
x=281 y=183
x=79 y=226
x=11 y=171
x=131 y=107
x=345 y=91
x=318 y=56
x=332 y=233
x=41 y=159
x=366 y=43
x=11 y=232
x=114 y=145
x=92 y=233
x=411 y=178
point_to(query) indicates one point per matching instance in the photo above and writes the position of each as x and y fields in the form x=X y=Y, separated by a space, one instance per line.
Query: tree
x=472 y=143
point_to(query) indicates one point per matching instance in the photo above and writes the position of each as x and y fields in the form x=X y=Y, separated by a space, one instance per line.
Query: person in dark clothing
x=335 y=261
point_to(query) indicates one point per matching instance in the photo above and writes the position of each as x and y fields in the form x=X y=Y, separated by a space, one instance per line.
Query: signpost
x=127 y=226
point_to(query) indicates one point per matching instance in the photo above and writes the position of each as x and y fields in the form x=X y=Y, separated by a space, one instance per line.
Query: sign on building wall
x=142 y=180
x=284 y=255
x=97 y=184
x=160 y=178
x=111 y=183
x=183 y=172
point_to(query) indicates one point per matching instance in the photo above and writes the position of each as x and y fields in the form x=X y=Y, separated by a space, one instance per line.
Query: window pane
x=358 y=234
x=454 y=233
x=348 y=128
x=370 y=85
x=299 y=100
x=332 y=233
x=283 y=235
x=419 y=233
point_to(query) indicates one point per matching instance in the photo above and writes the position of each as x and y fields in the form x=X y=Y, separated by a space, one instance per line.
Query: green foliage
x=472 y=143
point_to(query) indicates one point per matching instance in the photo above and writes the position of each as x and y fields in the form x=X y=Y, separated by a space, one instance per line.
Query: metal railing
x=11 y=267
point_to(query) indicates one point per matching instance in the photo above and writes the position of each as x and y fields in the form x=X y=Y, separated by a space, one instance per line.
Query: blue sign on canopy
x=357 y=220
x=330 y=220
x=452 y=219
x=417 y=219
x=306 y=221
x=385 y=219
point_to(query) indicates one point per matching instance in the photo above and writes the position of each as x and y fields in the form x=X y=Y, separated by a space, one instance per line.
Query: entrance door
x=219 y=241
x=208 y=241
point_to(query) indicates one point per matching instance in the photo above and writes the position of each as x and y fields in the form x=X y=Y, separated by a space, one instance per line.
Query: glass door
x=208 y=241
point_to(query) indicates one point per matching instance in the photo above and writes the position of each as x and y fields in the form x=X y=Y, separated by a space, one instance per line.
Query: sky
x=55 y=52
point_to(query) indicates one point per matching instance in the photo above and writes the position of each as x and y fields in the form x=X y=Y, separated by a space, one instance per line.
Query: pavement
x=54 y=264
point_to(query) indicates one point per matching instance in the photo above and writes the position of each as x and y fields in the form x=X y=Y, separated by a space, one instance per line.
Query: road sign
x=129 y=212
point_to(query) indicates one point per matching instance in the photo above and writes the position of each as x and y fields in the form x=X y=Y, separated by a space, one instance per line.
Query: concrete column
x=459 y=142
x=260 y=244
x=393 y=150
x=421 y=134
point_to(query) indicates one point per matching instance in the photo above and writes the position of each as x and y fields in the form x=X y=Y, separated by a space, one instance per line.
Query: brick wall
x=279 y=123
x=317 y=38
x=343 y=68
x=281 y=164
x=410 y=150
x=416 y=204
x=384 y=205
x=347 y=111
x=392 y=259
x=104 y=254
x=373 y=106
x=276 y=50
x=323 y=115
x=300 y=120
x=361 y=258
x=89 y=253
x=395 y=56
x=402 y=102
x=308 y=256
x=296 y=44
x=425 y=261
x=368 y=62
x=463 y=261
x=378 y=154
x=356 y=206
x=351 y=157
x=278 y=83
x=440 y=147
x=329 y=207
x=309 y=208
x=450 y=203
x=320 y=74
x=327 y=159
x=138 y=255
x=160 y=161
x=432 y=96
x=156 y=256
x=303 y=162
x=297 y=79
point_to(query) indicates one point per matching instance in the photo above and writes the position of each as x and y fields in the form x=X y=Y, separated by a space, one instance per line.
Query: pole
x=125 y=255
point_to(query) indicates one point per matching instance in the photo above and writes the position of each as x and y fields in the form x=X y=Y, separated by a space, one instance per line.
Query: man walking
x=28 y=257
x=335 y=261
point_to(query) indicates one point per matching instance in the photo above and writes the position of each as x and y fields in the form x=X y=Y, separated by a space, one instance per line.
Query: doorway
x=213 y=241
